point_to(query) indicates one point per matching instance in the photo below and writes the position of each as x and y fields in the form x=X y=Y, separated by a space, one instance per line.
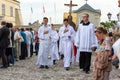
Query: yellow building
x=10 y=12
x=74 y=17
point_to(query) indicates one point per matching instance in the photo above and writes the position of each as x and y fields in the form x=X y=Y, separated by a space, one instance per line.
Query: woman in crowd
x=103 y=66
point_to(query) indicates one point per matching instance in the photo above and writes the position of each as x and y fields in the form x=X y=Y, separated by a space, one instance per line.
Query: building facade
x=94 y=15
x=10 y=12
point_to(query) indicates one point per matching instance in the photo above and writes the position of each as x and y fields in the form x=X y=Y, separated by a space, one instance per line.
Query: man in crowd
x=17 y=38
x=29 y=37
x=4 y=42
x=32 y=40
x=23 y=45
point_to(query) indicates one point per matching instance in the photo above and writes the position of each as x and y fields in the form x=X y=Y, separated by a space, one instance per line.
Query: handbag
x=21 y=39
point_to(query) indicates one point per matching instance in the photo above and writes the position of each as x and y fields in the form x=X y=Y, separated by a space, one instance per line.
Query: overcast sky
x=49 y=5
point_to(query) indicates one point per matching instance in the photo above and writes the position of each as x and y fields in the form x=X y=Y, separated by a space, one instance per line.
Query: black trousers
x=23 y=51
x=4 y=60
x=31 y=50
x=85 y=61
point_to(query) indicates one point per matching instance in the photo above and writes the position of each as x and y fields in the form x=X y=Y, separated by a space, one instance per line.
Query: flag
x=31 y=10
x=55 y=7
x=43 y=9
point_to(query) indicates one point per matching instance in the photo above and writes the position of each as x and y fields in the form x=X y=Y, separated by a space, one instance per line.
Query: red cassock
x=75 y=50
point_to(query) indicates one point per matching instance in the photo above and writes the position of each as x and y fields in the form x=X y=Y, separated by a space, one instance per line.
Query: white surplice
x=116 y=48
x=67 y=44
x=53 y=45
x=44 y=45
x=85 y=39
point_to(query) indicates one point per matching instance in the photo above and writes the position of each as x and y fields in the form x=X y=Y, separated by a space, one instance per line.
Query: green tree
x=106 y=25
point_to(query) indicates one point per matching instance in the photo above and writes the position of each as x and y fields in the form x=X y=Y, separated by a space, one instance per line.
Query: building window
x=3 y=9
x=11 y=11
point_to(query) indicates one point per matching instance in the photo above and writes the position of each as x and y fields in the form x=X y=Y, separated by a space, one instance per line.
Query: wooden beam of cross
x=70 y=6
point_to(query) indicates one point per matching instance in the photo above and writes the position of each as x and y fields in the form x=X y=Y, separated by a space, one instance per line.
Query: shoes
x=116 y=67
x=54 y=62
x=87 y=72
x=41 y=66
x=46 y=67
x=62 y=56
x=3 y=67
x=67 y=68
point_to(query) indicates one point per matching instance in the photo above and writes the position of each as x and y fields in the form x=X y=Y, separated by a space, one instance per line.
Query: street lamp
x=118 y=16
x=109 y=16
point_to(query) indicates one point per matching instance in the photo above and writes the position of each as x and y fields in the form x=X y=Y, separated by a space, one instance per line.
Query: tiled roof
x=87 y=7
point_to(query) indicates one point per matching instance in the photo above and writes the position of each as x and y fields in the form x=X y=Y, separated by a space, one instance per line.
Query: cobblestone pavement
x=27 y=70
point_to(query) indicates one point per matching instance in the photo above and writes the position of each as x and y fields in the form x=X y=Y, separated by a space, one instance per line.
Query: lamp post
x=118 y=16
x=109 y=16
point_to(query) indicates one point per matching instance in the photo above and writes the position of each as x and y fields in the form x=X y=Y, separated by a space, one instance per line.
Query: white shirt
x=41 y=34
x=54 y=36
x=28 y=36
x=64 y=36
x=85 y=38
x=17 y=35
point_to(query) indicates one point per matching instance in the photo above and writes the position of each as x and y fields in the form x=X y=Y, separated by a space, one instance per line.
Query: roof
x=87 y=7
x=16 y=1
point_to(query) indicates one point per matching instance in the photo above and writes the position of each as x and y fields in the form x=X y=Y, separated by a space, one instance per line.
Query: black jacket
x=4 y=37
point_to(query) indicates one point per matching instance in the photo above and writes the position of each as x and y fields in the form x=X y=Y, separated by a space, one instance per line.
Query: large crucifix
x=70 y=6
x=70 y=16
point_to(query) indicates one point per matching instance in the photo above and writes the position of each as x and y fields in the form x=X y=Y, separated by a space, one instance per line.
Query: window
x=11 y=11
x=3 y=9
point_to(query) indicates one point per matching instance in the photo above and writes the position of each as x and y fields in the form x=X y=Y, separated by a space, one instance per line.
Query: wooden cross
x=70 y=6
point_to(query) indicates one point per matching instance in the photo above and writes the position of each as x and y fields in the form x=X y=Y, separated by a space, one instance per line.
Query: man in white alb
x=53 y=45
x=86 y=42
x=44 y=37
x=67 y=34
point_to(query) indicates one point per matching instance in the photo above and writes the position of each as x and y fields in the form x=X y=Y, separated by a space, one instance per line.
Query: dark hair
x=101 y=30
x=52 y=24
x=11 y=25
x=22 y=29
x=45 y=18
x=65 y=20
x=31 y=29
x=3 y=23
x=8 y=25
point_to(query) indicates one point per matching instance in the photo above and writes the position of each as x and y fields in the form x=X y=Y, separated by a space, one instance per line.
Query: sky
x=56 y=8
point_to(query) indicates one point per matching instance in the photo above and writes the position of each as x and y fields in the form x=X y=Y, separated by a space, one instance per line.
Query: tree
x=106 y=25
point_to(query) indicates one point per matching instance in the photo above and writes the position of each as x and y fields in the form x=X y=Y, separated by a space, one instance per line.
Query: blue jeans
x=36 y=48
x=12 y=57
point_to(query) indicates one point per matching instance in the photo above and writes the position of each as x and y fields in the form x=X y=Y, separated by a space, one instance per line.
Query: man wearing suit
x=4 y=42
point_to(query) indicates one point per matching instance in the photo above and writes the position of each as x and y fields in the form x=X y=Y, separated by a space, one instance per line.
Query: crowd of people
x=65 y=43
x=16 y=43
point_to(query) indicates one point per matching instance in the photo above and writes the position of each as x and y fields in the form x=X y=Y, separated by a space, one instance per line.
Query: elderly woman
x=102 y=66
